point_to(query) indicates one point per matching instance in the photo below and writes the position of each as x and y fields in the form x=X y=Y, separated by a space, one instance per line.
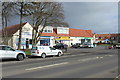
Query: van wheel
x=59 y=54
x=20 y=57
x=43 y=55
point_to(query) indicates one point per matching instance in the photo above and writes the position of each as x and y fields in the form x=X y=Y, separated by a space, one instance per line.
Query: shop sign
x=26 y=34
x=86 y=38
x=45 y=37
x=63 y=38
x=23 y=41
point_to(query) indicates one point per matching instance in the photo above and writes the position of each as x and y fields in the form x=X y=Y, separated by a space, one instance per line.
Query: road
x=77 y=63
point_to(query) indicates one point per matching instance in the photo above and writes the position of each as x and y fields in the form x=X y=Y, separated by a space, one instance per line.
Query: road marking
x=82 y=54
x=101 y=57
x=46 y=66
x=109 y=55
x=90 y=59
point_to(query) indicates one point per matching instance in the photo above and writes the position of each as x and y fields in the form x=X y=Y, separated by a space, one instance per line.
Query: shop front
x=81 y=40
x=26 y=40
x=86 y=40
x=64 y=40
x=45 y=40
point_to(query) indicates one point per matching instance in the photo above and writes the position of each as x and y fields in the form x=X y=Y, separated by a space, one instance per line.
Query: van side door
x=53 y=51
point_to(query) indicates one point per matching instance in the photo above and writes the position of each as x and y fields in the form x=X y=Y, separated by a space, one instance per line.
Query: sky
x=100 y=17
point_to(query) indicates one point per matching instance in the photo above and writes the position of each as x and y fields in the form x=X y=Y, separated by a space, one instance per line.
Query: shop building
x=50 y=36
x=57 y=35
x=80 y=36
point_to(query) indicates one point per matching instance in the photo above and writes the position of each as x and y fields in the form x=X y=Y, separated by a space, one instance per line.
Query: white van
x=44 y=51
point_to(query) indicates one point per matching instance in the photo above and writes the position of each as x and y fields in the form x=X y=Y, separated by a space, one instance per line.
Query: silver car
x=6 y=52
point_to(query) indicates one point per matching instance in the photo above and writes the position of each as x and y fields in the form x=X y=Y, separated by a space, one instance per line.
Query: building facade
x=107 y=38
x=50 y=36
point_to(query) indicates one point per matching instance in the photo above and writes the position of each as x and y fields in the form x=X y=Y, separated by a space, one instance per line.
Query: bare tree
x=46 y=13
x=22 y=9
x=6 y=13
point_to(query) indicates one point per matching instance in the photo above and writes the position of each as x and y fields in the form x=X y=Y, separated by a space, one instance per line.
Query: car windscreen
x=34 y=48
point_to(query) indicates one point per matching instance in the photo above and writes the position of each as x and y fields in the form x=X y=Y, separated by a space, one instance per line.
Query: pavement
x=95 y=62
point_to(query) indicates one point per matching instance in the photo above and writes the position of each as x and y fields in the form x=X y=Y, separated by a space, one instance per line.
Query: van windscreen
x=34 y=48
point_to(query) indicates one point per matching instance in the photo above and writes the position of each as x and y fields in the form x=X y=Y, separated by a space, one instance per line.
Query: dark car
x=59 y=46
x=76 y=45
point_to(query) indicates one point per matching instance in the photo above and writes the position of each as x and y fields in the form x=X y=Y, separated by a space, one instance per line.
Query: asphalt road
x=76 y=63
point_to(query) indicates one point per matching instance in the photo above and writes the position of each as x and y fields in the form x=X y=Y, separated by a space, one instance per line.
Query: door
x=10 y=52
x=53 y=51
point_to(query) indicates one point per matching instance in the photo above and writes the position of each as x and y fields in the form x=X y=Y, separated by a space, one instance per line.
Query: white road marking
x=82 y=54
x=88 y=59
x=101 y=57
x=46 y=66
x=110 y=55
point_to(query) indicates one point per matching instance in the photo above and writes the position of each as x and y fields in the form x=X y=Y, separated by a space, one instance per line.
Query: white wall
x=26 y=33
x=62 y=30
x=46 y=28
x=75 y=40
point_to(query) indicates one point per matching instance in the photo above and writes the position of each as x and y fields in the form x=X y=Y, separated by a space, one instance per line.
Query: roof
x=104 y=36
x=72 y=32
x=80 y=33
x=13 y=29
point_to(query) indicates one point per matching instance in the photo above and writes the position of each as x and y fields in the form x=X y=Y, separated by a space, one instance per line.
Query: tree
x=22 y=9
x=44 y=14
x=6 y=13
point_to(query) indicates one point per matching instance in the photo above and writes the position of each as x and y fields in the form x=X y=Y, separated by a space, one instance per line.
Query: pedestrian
x=65 y=47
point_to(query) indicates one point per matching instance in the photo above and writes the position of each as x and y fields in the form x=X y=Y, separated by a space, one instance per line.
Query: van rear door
x=34 y=50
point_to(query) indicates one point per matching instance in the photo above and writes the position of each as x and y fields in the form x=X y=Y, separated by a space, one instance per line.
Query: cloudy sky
x=101 y=17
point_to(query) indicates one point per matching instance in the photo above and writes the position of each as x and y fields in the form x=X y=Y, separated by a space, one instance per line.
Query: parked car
x=118 y=46
x=59 y=46
x=7 y=52
x=44 y=51
x=86 y=45
x=76 y=45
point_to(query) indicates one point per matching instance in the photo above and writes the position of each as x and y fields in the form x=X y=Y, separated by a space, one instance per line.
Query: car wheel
x=20 y=57
x=59 y=54
x=43 y=55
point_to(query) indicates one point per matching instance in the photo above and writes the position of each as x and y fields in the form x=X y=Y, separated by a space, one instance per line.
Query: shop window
x=30 y=41
x=27 y=43
x=49 y=31
x=100 y=37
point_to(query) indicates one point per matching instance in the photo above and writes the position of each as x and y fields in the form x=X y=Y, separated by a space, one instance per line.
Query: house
x=13 y=34
x=107 y=38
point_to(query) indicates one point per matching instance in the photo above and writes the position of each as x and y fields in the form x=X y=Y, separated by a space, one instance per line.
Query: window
x=34 y=48
x=52 y=48
x=8 y=48
x=45 y=31
x=100 y=37
x=49 y=31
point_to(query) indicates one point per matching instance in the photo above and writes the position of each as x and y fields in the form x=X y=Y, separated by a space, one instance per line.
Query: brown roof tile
x=12 y=29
